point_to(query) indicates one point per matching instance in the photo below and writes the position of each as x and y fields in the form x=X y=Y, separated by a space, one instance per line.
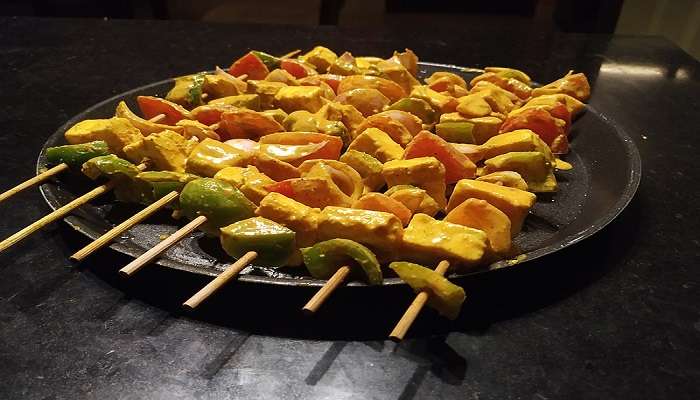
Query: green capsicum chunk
x=109 y=166
x=456 y=132
x=76 y=154
x=418 y=107
x=195 y=90
x=164 y=182
x=324 y=258
x=220 y=202
x=270 y=61
x=273 y=242
x=445 y=296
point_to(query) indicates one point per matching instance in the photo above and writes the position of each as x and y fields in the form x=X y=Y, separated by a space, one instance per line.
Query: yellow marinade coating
x=249 y=180
x=302 y=219
x=117 y=132
x=210 y=156
x=444 y=240
x=427 y=173
x=167 y=150
x=378 y=144
x=293 y=98
x=377 y=229
x=515 y=203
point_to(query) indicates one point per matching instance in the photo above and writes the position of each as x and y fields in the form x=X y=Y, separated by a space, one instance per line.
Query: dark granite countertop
x=615 y=316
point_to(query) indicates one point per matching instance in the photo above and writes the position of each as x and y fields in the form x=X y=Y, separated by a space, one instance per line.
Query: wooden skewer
x=414 y=309
x=33 y=181
x=212 y=287
x=155 y=251
x=124 y=226
x=291 y=54
x=58 y=213
x=64 y=210
x=157 y=118
x=331 y=284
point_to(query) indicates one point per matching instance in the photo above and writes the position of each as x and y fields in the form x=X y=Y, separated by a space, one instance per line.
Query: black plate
x=607 y=170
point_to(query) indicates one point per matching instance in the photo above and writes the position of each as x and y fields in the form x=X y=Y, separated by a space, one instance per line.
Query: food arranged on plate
x=329 y=162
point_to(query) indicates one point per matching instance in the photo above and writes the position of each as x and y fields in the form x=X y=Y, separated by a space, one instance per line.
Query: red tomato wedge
x=284 y=187
x=457 y=165
x=151 y=106
x=294 y=67
x=249 y=65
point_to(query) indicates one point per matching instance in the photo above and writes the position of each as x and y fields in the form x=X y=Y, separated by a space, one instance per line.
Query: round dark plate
x=607 y=170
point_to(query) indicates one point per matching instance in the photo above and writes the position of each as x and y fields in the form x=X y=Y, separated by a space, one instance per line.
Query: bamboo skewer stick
x=331 y=284
x=33 y=181
x=291 y=53
x=124 y=226
x=64 y=210
x=155 y=251
x=212 y=287
x=58 y=213
x=415 y=308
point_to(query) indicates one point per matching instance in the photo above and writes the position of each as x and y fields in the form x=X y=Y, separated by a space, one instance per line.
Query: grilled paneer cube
x=248 y=180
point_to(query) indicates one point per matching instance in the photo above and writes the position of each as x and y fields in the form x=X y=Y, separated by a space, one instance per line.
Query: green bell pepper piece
x=418 y=107
x=220 y=202
x=195 y=90
x=76 y=154
x=109 y=166
x=324 y=258
x=270 y=61
x=273 y=242
x=456 y=132
x=164 y=182
x=446 y=297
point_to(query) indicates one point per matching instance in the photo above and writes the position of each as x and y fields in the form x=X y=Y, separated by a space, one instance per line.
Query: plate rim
x=610 y=215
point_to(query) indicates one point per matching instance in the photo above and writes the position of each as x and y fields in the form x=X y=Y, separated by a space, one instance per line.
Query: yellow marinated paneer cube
x=266 y=90
x=515 y=203
x=437 y=239
x=380 y=230
x=167 y=150
x=210 y=156
x=378 y=144
x=424 y=172
x=298 y=217
x=117 y=132
x=249 y=180
x=293 y=98
x=517 y=140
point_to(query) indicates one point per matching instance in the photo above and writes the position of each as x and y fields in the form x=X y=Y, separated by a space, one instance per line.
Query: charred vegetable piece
x=76 y=154
x=220 y=202
x=445 y=297
x=273 y=242
x=324 y=258
x=109 y=166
